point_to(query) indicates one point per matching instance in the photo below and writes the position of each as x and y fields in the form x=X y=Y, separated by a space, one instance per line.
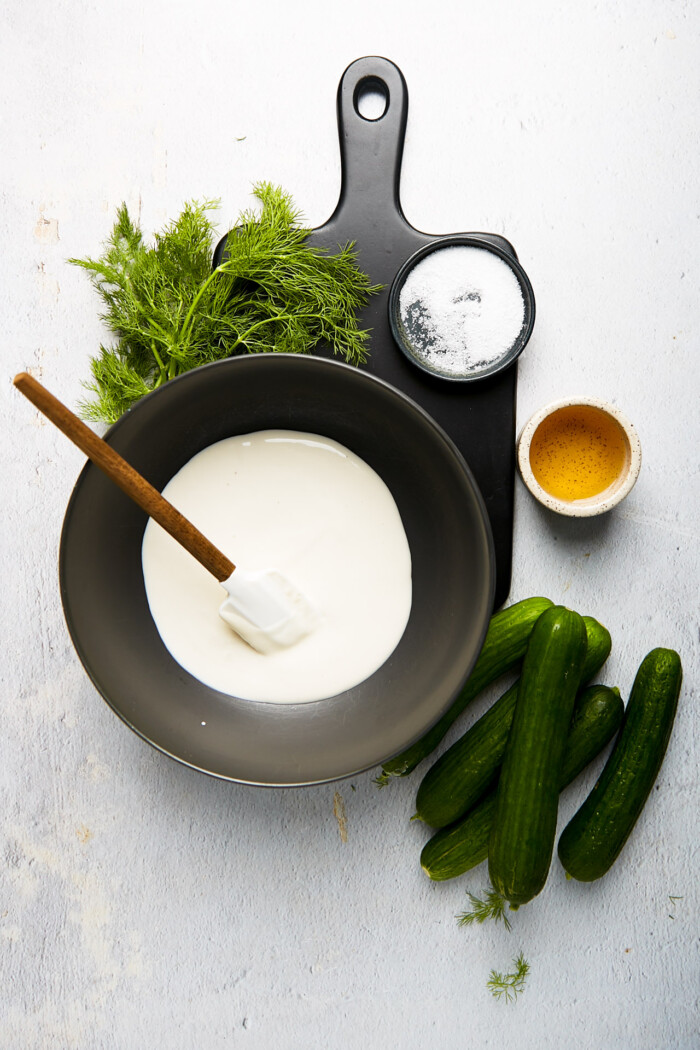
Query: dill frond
x=170 y=312
x=492 y=907
x=508 y=986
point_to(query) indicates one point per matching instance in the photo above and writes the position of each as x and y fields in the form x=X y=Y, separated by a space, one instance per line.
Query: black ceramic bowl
x=402 y=337
x=281 y=744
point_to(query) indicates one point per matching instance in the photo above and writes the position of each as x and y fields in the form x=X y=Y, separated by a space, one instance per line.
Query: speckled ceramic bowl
x=602 y=501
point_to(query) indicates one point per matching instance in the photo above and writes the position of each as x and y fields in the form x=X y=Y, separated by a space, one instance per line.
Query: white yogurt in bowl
x=310 y=508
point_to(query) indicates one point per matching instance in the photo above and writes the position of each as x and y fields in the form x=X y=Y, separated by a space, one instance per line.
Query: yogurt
x=311 y=509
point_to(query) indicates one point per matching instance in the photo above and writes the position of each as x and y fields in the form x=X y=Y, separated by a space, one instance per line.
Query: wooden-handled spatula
x=263 y=607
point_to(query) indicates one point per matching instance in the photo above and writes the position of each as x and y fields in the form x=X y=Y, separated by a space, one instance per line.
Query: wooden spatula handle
x=129 y=480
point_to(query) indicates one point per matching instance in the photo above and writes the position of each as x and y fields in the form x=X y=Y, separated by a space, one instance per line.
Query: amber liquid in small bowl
x=578 y=452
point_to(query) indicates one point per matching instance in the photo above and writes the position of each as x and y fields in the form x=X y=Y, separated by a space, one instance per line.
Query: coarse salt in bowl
x=461 y=308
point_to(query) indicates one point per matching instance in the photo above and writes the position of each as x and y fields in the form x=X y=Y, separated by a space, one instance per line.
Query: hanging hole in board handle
x=371 y=98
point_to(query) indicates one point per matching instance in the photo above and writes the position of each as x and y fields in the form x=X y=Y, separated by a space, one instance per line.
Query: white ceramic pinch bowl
x=608 y=497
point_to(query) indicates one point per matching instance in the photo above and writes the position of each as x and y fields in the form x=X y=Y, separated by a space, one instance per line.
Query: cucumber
x=524 y=827
x=461 y=776
x=454 y=850
x=503 y=649
x=594 y=837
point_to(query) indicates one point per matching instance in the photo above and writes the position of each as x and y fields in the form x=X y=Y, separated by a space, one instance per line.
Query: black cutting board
x=478 y=416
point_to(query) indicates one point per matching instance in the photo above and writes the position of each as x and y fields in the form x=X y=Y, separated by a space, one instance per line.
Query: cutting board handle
x=371 y=150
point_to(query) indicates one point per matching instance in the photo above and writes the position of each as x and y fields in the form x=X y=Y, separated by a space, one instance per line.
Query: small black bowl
x=107 y=612
x=403 y=338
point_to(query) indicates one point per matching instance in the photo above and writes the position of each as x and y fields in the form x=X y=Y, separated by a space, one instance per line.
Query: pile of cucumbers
x=494 y=794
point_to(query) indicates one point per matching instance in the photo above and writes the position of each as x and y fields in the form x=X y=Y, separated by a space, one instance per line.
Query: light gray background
x=143 y=904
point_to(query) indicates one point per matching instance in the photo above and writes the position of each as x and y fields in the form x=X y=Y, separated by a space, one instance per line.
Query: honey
x=578 y=452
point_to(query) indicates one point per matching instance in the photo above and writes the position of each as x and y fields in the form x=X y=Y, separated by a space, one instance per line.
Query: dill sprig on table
x=171 y=312
x=509 y=985
x=492 y=907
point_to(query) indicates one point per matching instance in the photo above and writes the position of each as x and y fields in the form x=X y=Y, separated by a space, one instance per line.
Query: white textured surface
x=142 y=904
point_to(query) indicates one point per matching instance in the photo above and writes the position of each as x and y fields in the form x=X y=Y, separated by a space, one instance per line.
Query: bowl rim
x=592 y=505
x=469 y=240
x=88 y=663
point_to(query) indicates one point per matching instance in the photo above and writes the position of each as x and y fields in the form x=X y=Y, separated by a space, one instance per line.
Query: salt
x=461 y=308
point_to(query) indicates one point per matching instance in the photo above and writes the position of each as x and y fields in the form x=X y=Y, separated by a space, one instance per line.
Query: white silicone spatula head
x=266 y=610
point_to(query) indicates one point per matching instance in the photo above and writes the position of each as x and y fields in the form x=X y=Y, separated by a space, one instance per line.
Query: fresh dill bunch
x=170 y=312
x=508 y=986
x=492 y=907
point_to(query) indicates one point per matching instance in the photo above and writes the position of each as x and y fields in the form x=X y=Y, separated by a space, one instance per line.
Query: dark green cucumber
x=524 y=827
x=503 y=649
x=461 y=776
x=456 y=849
x=594 y=837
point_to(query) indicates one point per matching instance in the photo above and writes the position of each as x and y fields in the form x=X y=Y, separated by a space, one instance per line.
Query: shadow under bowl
x=446 y=524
